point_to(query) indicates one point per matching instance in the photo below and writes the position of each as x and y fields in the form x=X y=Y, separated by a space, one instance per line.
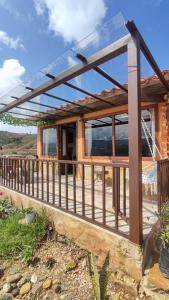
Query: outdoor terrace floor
x=49 y=192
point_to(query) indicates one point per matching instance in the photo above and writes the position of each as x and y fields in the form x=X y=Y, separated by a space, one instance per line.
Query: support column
x=135 y=155
x=39 y=142
x=79 y=146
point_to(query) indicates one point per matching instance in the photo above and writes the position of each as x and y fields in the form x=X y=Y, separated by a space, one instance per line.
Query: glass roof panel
x=103 y=36
x=109 y=32
x=101 y=121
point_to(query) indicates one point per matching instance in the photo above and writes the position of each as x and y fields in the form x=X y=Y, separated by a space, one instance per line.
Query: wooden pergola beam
x=132 y=28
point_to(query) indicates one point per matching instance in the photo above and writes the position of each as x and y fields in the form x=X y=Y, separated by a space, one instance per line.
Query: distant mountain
x=18 y=143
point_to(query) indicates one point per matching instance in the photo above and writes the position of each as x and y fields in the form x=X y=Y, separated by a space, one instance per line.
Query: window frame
x=96 y=156
x=153 y=107
x=57 y=136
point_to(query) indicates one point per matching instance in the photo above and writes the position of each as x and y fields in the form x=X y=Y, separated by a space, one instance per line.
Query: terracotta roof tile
x=116 y=91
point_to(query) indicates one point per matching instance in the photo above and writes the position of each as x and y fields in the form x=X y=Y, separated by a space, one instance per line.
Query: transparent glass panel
x=121 y=134
x=50 y=142
x=105 y=34
x=98 y=137
x=147 y=133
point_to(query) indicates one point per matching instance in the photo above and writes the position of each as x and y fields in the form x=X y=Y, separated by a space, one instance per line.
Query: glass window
x=147 y=133
x=50 y=141
x=98 y=137
x=121 y=134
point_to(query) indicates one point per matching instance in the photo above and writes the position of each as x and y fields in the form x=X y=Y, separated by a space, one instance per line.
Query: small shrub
x=6 y=208
x=100 y=279
x=17 y=240
x=162 y=229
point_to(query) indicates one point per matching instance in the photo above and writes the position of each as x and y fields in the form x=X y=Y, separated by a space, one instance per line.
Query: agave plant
x=100 y=279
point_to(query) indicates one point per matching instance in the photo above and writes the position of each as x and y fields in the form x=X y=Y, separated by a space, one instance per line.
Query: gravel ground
x=69 y=273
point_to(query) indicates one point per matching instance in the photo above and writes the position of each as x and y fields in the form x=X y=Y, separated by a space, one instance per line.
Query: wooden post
x=135 y=148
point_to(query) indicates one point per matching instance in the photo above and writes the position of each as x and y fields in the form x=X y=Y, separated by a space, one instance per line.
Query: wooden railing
x=96 y=192
x=163 y=182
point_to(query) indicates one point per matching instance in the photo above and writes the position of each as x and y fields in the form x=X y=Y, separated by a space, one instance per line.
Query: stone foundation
x=125 y=256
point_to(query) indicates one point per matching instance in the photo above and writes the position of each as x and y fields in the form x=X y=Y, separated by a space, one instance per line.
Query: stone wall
x=125 y=256
x=164 y=127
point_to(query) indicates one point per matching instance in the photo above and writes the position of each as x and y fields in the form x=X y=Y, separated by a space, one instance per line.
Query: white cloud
x=10 y=75
x=39 y=6
x=11 y=84
x=10 y=42
x=73 y=20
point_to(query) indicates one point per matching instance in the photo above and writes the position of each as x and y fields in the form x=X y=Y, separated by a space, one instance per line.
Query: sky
x=35 y=34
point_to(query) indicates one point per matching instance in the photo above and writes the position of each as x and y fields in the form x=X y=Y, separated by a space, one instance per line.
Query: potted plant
x=163 y=234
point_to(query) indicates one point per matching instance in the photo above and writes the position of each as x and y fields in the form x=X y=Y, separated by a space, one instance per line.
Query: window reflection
x=50 y=142
x=98 y=137
x=147 y=133
x=121 y=134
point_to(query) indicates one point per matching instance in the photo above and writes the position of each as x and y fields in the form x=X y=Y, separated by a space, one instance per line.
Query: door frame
x=60 y=144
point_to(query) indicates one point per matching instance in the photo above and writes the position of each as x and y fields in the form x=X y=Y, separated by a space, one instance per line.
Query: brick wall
x=164 y=127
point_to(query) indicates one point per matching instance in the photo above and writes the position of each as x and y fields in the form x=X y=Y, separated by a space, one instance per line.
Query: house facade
x=102 y=134
x=101 y=168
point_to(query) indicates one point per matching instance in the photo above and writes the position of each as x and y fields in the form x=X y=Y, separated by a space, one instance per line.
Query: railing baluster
x=116 y=179
x=21 y=175
x=37 y=178
x=32 y=178
x=60 y=188
x=9 y=173
x=83 y=190
x=42 y=182
x=2 y=171
x=25 y=175
x=118 y=187
x=92 y=192
x=5 y=172
x=103 y=195
x=18 y=175
x=124 y=191
x=12 y=174
x=47 y=180
x=66 y=186
x=8 y=177
x=74 y=188
x=53 y=182
x=6 y=182
x=15 y=177
x=115 y=202
x=29 y=177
